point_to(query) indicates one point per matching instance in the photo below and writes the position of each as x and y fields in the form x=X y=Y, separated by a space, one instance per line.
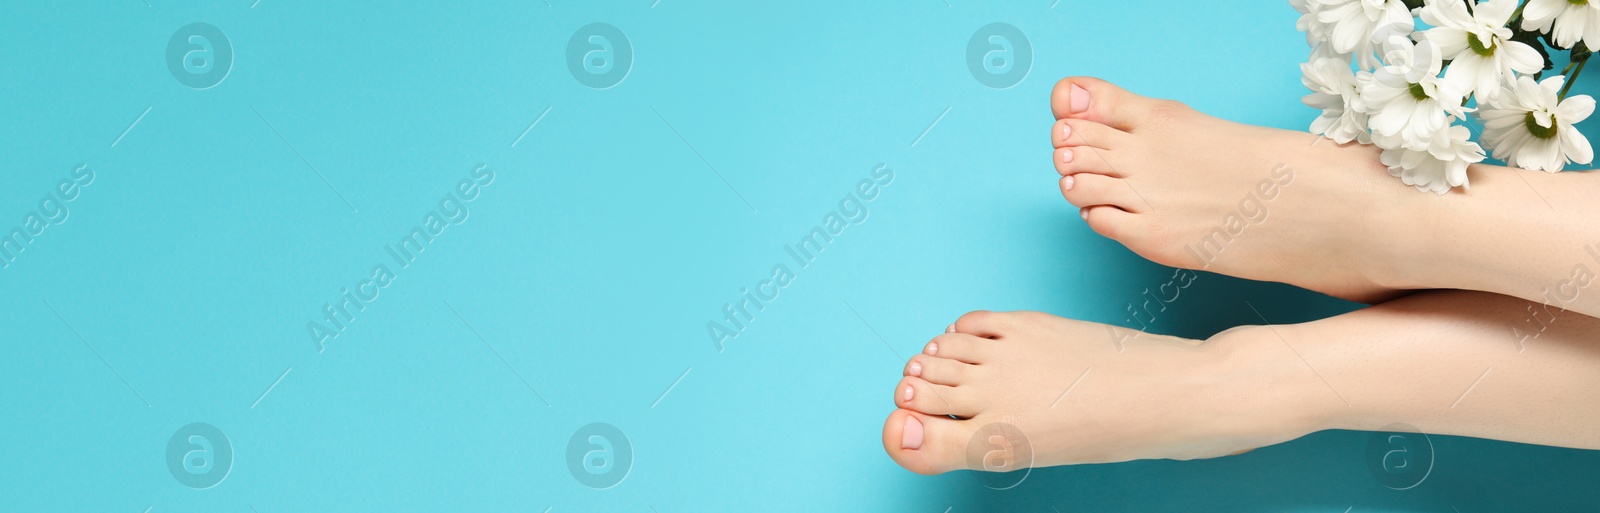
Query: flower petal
x=1451 y=41
x=1494 y=13
x=1575 y=108
x=1520 y=57
x=1575 y=145
x=1538 y=14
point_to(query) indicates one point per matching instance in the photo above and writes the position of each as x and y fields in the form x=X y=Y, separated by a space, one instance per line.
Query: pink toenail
x=1084 y=213
x=911 y=436
x=909 y=393
x=933 y=348
x=1066 y=156
x=916 y=369
x=951 y=329
x=1066 y=132
x=1080 y=99
x=1066 y=183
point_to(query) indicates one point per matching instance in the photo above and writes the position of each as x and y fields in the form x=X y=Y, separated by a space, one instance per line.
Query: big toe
x=926 y=444
x=1099 y=101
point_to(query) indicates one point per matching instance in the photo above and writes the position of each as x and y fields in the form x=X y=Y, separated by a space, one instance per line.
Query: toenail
x=1084 y=213
x=951 y=329
x=1080 y=99
x=1066 y=132
x=1066 y=183
x=916 y=369
x=908 y=393
x=1066 y=156
x=933 y=348
x=911 y=435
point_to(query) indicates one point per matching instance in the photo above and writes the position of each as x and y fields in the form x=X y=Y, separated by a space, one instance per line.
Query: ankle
x=1400 y=250
x=1458 y=240
x=1399 y=262
x=1273 y=395
x=1388 y=228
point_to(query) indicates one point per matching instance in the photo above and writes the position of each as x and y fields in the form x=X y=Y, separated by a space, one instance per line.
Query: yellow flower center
x=1479 y=48
x=1418 y=93
x=1540 y=131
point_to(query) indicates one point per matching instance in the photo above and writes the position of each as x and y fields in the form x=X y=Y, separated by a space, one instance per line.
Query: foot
x=1188 y=190
x=1057 y=391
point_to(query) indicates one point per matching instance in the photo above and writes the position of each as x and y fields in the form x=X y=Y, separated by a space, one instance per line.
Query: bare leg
x=1189 y=190
x=1447 y=362
x=1528 y=234
x=1457 y=363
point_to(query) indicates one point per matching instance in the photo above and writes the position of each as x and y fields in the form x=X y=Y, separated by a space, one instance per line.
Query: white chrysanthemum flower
x=1316 y=31
x=1404 y=101
x=1570 y=20
x=1440 y=167
x=1350 y=25
x=1333 y=90
x=1478 y=45
x=1532 y=128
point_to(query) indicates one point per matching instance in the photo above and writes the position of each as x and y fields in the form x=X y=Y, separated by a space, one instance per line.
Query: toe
x=958 y=346
x=984 y=323
x=1089 y=189
x=1110 y=222
x=1085 y=159
x=926 y=444
x=1099 y=101
x=1080 y=132
x=936 y=370
x=921 y=396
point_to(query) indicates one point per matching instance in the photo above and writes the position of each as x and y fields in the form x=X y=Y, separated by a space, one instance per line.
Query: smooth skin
x=1446 y=362
x=1499 y=359
x=1162 y=178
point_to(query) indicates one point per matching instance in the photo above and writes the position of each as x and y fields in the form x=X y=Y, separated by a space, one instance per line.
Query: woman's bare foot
x=1043 y=390
x=1189 y=190
x=1032 y=389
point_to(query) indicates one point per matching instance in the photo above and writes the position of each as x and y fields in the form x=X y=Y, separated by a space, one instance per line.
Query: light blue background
x=593 y=262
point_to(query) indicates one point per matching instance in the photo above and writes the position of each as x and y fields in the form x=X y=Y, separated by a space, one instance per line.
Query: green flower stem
x=1516 y=15
x=1571 y=79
